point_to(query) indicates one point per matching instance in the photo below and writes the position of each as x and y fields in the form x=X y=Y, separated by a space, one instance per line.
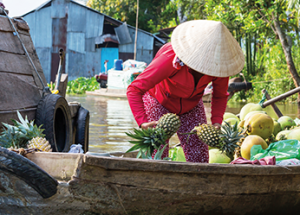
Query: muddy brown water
x=110 y=118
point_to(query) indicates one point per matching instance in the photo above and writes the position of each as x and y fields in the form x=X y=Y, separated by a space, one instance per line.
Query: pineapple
x=170 y=123
x=18 y=134
x=208 y=134
x=147 y=140
x=39 y=143
x=225 y=139
x=230 y=137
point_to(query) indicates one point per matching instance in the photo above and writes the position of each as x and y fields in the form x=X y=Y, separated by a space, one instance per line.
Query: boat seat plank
x=20 y=87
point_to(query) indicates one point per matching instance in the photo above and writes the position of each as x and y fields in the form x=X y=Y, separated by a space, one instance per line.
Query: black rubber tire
x=54 y=114
x=29 y=172
x=82 y=128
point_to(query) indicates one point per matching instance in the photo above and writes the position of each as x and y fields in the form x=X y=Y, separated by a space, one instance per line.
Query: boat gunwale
x=133 y=164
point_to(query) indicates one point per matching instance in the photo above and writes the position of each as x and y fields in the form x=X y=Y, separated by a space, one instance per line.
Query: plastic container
x=118 y=64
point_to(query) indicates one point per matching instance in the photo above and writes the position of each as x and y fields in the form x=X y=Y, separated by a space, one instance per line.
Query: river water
x=110 y=118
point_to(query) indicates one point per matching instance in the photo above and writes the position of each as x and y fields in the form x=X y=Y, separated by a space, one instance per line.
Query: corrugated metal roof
x=48 y=3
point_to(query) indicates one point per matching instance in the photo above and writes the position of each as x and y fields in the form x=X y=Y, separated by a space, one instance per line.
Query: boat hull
x=112 y=185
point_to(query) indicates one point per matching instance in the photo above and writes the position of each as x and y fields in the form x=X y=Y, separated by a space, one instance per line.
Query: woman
x=200 y=52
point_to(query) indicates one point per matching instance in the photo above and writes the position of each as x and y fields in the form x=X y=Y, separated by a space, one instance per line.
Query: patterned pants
x=195 y=150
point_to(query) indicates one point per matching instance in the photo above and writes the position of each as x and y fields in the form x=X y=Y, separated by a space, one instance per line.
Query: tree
x=153 y=14
x=270 y=19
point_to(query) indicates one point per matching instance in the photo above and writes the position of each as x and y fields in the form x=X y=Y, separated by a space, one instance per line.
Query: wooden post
x=136 y=29
x=274 y=106
x=282 y=96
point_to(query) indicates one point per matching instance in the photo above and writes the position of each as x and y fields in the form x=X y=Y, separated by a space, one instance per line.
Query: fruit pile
x=260 y=129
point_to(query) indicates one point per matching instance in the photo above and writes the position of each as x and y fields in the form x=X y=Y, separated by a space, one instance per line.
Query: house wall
x=144 y=46
x=41 y=34
x=74 y=28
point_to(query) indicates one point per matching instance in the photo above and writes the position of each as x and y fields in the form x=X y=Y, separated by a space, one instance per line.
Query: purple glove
x=2 y=5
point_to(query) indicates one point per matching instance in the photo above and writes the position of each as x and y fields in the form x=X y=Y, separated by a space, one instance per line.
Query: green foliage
x=18 y=134
x=81 y=85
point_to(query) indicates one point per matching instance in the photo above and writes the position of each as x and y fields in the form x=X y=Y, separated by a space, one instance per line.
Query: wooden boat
x=23 y=88
x=91 y=184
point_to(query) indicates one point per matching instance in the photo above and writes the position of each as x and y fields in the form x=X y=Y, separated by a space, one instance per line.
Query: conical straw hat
x=208 y=47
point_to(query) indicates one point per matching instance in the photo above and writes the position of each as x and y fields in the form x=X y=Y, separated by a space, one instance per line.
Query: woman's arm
x=158 y=70
x=219 y=99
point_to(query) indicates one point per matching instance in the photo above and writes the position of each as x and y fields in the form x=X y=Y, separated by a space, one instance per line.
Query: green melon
x=294 y=135
x=216 y=156
x=277 y=127
x=286 y=122
x=228 y=115
x=248 y=108
x=231 y=121
x=282 y=135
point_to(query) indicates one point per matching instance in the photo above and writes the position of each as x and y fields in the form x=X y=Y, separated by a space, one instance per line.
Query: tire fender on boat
x=54 y=114
x=29 y=172
x=82 y=128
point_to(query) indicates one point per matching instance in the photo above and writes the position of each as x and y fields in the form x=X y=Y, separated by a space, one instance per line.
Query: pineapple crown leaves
x=9 y=138
x=18 y=134
x=230 y=135
x=147 y=140
x=157 y=156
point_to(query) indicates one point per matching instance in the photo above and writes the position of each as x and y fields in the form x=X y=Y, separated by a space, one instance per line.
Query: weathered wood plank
x=19 y=25
x=10 y=43
x=6 y=116
x=17 y=92
x=13 y=63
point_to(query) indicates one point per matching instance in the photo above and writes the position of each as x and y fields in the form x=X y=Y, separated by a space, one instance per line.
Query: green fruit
x=252 y=113
x=260 y=124
x=277 y=127
x=230 y=115
x=248 y=108
x=286 y=122
x=282 y=135
x=294 y=135
x=216 y=156
x=231 y=121
x=250 y=141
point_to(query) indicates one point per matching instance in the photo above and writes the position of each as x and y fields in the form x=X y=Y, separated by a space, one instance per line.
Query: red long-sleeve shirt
x=174 y=88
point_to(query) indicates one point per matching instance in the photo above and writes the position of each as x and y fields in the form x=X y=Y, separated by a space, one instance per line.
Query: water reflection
x=110 y=118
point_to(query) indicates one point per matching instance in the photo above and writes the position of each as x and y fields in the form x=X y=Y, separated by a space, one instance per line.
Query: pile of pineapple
x=148 y=140
x=23 y=134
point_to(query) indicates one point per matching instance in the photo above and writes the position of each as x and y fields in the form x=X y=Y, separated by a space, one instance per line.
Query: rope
x=263 y=99
x=15 y=33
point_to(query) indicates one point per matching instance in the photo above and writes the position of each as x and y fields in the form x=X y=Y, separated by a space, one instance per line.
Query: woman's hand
x=146 y=125
x=217 y=125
